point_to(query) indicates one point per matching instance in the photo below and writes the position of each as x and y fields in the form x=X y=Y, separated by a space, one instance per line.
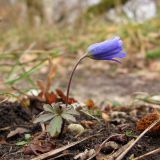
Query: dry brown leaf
x=105 y=117
x=88 y=124
x=37 y=148
x=51 y=97
x=41 y=143
x=64 y=98
x=61 y=149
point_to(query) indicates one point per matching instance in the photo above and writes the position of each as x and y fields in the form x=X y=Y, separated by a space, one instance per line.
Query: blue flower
x=107 y=50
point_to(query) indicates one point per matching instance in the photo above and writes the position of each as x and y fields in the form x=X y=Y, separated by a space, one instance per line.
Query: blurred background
x=33 y=30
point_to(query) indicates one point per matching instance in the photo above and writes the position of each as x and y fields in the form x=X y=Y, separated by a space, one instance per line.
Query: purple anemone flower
x=107 y=50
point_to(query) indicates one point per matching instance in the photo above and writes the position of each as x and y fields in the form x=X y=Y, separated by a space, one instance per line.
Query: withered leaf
x=41 y=143
x=87 y=124
x=37 y=148
x=51 y=97
x=64 y=98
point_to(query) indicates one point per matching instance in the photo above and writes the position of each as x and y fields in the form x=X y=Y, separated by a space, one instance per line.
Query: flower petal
x=107 y=50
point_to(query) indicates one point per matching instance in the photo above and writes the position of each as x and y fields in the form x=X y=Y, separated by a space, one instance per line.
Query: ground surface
x=122 y=120
x=102 y=80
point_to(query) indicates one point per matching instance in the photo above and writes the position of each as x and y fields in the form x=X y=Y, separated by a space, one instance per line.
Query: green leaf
x=71 y=111
x=68 y=117
x=27 y=136
x=55 y=126
x=44 y=117
x=21 y=143
x=48 y=108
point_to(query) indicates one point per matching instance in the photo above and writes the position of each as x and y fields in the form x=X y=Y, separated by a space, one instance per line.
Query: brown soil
x=12 y=115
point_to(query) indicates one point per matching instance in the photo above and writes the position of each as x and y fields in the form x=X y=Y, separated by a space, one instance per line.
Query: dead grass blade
x=138 y=138
x=121 y=150
x=147 y=154
x=58 y=150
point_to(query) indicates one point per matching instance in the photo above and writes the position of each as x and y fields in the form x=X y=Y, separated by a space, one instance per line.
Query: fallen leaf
x=64 y=98
x=87 y=124
x=61 y=149
x=17 y=131
x=51 y=97
x=105 y=117
x=41 y=143
x=37 y=148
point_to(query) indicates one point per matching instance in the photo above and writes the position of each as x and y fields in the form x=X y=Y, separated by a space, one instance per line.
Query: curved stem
x=71 y=76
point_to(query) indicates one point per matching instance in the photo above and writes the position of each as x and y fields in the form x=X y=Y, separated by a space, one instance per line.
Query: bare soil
x=12 y=115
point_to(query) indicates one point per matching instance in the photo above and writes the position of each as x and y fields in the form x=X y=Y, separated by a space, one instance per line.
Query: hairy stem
x=71 y=76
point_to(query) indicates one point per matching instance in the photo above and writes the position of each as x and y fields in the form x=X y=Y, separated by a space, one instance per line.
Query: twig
x=147 y=154
x=101 y=145
x=62 y=155
x=58 y=150
x=138 y=138
x=4 y=100
x=121 y=150
x=5 y=128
